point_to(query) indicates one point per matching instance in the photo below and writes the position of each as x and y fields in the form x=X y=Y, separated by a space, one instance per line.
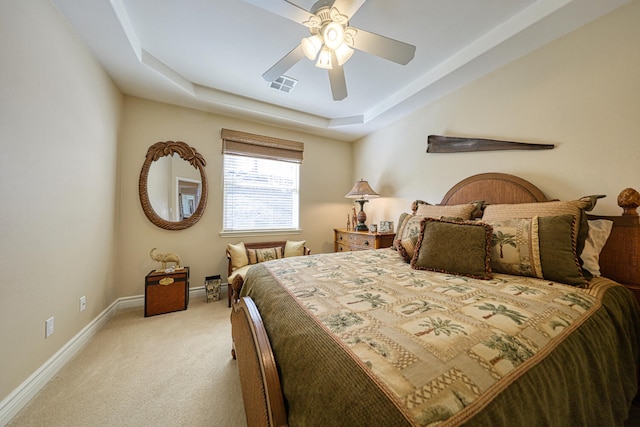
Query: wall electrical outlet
x=83 y=303
x=48 y=327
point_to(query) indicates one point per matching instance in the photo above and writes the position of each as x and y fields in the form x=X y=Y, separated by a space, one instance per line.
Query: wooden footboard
x=261 y=390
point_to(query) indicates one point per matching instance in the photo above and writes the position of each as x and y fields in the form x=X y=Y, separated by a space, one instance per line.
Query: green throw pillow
x=460 y=248
x=557 y=251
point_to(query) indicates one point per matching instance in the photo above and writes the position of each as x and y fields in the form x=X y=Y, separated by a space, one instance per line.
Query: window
x=260 y=183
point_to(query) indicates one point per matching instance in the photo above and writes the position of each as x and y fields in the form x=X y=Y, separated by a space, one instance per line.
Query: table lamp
x=362 y=191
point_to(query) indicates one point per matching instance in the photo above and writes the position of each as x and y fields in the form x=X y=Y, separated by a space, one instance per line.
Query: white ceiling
x=211 y=54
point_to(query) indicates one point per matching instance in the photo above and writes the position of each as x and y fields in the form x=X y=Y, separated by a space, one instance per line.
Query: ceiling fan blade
x=384 y=47
x=338 y=83
x=284 y=9
x=348 y=7
x=287 y=61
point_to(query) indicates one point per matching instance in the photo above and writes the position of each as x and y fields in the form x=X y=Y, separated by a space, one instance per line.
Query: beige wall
x=325 y=177
x=59 y=121
x=581 y=92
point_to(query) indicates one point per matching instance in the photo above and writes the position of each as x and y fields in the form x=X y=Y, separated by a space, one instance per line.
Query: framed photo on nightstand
x=386 y=227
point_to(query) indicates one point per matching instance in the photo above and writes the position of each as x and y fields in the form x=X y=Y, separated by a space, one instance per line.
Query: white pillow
x=238 y=254
x=292 y=248
x=599 y=230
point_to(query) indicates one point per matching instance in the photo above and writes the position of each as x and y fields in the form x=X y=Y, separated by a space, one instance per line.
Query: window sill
x=259 y=233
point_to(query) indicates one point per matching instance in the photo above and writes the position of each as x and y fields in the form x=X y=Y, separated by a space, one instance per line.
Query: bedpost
x=620 y=257
x=259 y=378
x=236 y=287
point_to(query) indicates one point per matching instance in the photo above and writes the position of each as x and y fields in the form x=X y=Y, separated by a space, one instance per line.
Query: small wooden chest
x=166 y=292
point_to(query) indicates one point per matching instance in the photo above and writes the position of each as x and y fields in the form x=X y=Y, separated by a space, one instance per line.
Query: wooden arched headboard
x=493 y=188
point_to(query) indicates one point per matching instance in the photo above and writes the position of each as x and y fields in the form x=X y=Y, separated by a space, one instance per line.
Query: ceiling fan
x=332 y=40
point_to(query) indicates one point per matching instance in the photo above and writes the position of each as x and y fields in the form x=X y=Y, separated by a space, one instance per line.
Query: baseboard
x=19 y=398
x=13 y=403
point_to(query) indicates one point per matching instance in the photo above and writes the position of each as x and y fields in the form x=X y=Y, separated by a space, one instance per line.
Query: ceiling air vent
x=284 y=84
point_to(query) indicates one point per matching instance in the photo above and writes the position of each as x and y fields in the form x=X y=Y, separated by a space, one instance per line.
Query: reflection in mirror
x=173 y=185
x=188 y=197
x=174 y=188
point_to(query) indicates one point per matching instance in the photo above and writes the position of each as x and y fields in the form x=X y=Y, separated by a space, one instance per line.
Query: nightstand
x=347 y=240
x=166 y=292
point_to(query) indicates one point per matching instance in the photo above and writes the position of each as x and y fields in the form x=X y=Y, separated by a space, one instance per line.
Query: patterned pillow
x=577 y=208
x=460 y=248
x=541 y=247
x=409 y=224
x=407 y=236
x=515 y=248
x=264 y=254
x=401 y=223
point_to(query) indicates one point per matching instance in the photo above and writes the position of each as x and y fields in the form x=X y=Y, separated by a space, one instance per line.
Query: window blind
x=261 y=182
x=265 y=147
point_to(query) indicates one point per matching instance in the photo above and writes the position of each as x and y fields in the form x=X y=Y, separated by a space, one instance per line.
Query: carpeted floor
x=173 y=369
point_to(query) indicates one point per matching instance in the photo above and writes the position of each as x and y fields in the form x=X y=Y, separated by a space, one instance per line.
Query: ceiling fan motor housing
x=324 y=16
x=321 y=4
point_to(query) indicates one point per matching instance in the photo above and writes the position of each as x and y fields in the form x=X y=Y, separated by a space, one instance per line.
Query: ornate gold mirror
x=173 y=185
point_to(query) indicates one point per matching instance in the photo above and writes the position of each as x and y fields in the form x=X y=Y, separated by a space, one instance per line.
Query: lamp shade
x=362 y=190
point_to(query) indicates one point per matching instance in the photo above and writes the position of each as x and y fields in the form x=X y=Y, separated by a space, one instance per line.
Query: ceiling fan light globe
x=343 y=53
x=311 y=46
x=333 y=35
x=324 y=59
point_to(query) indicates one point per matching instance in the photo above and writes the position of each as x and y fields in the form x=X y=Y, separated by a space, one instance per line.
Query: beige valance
x=248 y=144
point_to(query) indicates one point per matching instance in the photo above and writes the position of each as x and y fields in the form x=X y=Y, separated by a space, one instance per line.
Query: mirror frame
x=191 y=155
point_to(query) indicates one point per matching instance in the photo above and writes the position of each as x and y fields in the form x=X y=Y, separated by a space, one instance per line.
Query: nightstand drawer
x=359 y=239
x=347 y=240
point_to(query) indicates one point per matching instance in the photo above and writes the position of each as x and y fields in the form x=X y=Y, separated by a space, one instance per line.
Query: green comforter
x=362 y=339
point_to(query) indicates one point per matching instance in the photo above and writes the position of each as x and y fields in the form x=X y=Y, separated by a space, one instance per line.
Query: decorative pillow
x=238 y=254
x=599 y=231
x=577 y=208
x=435 y=211
x=292 y=248
x=406 y=247
x=557 y=250
x=515 y=248
x=409 y=224
x=407 y=236
x=401 y=223
x=264 y=254
x=461 y=248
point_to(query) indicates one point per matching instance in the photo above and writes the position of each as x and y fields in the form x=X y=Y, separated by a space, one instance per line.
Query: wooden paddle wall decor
x=451 y=144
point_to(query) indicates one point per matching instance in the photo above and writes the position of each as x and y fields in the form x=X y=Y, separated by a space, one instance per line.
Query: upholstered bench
x=242 y=256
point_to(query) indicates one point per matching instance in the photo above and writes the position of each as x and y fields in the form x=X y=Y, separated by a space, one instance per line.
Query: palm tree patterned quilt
x=442 y=345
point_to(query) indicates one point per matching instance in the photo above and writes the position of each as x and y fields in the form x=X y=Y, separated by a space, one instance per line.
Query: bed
x=396 y=337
